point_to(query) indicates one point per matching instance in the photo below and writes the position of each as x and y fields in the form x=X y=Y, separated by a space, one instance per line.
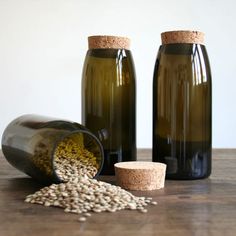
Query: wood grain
x=200 y=207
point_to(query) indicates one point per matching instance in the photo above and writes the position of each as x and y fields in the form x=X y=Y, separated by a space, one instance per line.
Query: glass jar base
x=186 y=177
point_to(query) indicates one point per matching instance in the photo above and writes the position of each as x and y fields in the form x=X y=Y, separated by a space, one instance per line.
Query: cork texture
x=104 y=41
x=138 y=175
x=183 y=36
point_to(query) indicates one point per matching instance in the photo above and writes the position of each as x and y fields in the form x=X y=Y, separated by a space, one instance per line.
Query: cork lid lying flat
x=182 y=36
x=104 y=41
x=140 y=175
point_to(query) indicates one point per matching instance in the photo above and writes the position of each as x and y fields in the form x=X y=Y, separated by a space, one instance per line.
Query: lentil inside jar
x=72 y=159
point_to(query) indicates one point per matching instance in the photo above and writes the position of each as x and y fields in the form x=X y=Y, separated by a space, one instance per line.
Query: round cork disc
x=140 y=175
x=105 y=41
x=182 y=36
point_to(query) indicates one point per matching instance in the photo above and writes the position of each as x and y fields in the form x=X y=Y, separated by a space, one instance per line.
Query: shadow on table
x=25 y=184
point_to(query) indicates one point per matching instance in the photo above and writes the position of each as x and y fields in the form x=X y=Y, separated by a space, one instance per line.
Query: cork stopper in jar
x=140 y=175
x=182 y=36
x=104 y=42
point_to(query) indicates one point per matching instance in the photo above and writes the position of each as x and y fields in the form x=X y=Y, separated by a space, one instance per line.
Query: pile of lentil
x=80 y=193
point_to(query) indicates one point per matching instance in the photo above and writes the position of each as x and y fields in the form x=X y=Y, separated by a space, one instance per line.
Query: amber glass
x=109 y=103
x=182 y=111
x=29 y=143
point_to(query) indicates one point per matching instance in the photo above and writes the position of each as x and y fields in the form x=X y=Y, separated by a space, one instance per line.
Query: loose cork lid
x=140 y=175
x=182 y=36
x=104 y=41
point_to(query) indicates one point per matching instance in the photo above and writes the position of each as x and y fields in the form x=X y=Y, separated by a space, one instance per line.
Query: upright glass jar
x=30 y=143
x=109 y=98
x=182 y=110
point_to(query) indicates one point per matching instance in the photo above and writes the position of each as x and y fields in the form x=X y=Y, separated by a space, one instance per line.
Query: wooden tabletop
x=200 y=207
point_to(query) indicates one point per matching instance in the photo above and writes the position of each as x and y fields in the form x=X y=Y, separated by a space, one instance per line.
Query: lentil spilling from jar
x=79 y=192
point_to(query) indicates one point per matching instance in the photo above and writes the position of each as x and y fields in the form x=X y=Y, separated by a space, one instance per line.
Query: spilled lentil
x=80 y=193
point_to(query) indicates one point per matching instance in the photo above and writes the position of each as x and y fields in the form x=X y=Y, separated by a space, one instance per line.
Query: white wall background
x=43 y=44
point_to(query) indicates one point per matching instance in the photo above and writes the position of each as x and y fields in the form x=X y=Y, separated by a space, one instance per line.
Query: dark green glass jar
x=29 y=143
x=109 y=98
x=182 y=110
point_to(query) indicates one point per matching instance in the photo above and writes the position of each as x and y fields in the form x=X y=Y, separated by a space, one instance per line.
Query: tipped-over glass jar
x=51 y=150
